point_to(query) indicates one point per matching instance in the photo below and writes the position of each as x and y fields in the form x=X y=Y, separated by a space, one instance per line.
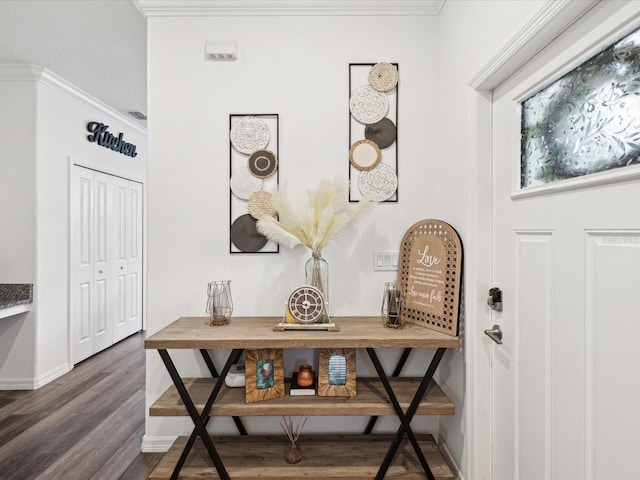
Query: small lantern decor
x=391 y=303
x=219 y=302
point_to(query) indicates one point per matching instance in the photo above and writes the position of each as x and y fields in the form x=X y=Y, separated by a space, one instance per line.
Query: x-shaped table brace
x=405 y=418
x=200 y=420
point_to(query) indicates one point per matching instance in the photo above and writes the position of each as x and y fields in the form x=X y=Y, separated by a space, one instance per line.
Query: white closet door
x=102 y=267
x=106 y=260
x=134 y=261
x=82 y=286
x=118 y=258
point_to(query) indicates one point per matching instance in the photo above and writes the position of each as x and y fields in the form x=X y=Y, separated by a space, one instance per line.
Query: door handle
x=495 y=334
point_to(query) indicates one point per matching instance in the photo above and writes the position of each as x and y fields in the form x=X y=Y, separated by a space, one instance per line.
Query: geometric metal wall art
x=254 y=175
x=373 y=123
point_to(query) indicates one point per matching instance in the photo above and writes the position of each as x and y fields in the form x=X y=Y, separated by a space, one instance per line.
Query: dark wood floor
x=85 y=425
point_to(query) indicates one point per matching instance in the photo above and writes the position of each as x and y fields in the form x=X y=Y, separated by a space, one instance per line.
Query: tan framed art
x=264 y=375
x=337 y=372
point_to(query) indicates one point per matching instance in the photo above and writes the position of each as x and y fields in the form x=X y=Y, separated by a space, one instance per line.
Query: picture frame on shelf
x=337 y=372
x=264 y=375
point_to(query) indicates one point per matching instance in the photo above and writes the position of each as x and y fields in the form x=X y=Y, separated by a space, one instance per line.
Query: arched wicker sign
x=429 y=273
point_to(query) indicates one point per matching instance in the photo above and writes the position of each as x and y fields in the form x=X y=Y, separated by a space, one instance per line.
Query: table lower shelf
x=371 y=399
x=326 y=457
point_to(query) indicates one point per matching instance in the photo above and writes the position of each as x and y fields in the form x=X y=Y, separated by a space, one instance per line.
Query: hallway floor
x=85 y=425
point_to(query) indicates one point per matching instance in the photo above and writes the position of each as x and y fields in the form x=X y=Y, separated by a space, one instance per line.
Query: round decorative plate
x=382 y=133
x=383 y=77
x=263 y=163
x=260 y=205
x=364 y=155
x=243 y=184
x=249 y=134
x=245 y=235
x=368 y=105
x=306 y=304
x=378 y=184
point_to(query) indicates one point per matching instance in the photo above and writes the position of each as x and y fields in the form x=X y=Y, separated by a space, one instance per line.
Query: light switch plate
x=385 y=260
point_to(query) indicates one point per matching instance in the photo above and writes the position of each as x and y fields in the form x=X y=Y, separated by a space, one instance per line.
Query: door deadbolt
x=495 y=334
x=495 y=299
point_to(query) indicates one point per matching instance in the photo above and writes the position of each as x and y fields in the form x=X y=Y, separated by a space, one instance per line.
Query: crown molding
x=551 y=20
x=221 y=8
x=23 y=72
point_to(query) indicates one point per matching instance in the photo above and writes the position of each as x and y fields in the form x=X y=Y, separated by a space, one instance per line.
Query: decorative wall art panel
x=429 y=276
x=588 y=121
x=373 y=133
x=254 y=170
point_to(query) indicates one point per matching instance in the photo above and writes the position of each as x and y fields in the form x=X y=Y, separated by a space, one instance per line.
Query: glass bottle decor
x=317 y=274
x=219 y=302
x=391 y=306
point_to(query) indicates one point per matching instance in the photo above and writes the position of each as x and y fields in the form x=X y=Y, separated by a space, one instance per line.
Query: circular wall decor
x=249 y=134
x=368 y=105
x=383 y=77
x=245 y=235
x=365 y=155
x=382 y=133
x=378 y=184
x=306 y=304
x=260 y=205
x=263 y=163
x=243 y=184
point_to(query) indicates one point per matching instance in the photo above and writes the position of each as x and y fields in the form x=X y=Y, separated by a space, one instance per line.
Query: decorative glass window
x=588 y=121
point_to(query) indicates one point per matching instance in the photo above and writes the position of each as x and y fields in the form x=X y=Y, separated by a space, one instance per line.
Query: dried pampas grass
x=315 y=222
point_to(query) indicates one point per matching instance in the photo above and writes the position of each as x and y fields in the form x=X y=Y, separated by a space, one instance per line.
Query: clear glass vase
x=219 y=302
x=316 y=272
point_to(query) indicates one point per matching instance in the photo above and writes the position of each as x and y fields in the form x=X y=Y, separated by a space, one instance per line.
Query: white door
x=564 y=382
x=118 y=256
x=82 y=284
x=134 y=258
x=106 y=260
x=101 y=325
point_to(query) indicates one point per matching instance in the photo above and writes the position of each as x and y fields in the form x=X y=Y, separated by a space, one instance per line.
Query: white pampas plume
x=315 y=223
x=275 y=231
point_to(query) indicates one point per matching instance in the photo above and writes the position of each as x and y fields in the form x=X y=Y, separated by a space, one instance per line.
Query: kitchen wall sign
x=101 y=135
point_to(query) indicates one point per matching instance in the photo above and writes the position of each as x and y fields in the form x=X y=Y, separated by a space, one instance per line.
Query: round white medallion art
x=378 y=184
x=368 y=105
x=249 y=134
x=243 y=184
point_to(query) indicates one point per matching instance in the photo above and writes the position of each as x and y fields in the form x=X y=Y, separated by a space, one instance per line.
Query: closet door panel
x=134 y=263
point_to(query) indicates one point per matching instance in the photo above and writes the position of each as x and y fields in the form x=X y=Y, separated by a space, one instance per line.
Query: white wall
x=55 y=131
x=18 y=204
x=296 y=67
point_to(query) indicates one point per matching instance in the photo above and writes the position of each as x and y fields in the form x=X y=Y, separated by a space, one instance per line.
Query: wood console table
x=324 y=457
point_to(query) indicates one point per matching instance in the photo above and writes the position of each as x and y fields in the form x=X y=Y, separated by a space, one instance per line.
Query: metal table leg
x=214 y=373
x=405 y=417
x=199 y=420
x=395 y=374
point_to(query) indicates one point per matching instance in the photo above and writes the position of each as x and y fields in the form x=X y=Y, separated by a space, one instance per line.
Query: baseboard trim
x=157 y=444
x=18 y=384
x=449 y=458
x=34 y=383
x=52 y=375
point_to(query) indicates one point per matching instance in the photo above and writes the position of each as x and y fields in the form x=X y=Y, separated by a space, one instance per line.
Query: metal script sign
x=101 y=135
x=429 y=276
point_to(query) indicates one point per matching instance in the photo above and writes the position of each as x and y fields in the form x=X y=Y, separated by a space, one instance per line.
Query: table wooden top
x=257 y=332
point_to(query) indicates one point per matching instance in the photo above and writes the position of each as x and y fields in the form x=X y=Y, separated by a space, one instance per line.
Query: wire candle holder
x=219 y=302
